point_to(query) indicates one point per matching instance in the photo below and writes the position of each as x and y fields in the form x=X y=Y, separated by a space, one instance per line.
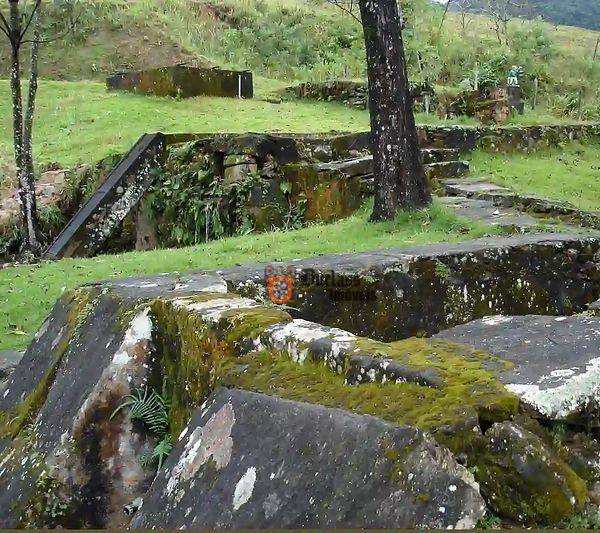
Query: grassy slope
x=27 y=293
x=80 y=122
x=570 y=173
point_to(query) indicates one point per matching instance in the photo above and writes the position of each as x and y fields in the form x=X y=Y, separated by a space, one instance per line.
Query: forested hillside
x=582 y=13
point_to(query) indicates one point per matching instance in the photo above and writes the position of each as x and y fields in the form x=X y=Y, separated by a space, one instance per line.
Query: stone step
x=439 y=155
x=487 y=212
x=480 y=189
x=442 y=161
x=446 y=169
x=503 y=197
x=349 y=168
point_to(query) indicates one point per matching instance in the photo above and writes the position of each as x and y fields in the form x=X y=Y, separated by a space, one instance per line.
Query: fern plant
x=158 y=455
x=152 y=409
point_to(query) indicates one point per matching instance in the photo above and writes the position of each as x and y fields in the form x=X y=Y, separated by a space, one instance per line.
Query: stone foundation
x=185 y=82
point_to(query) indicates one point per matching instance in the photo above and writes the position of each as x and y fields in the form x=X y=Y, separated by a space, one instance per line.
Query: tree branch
x=341 y=4
x=5 y=27
x=31 y=16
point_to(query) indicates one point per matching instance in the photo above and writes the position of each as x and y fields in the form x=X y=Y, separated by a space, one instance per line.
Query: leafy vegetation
x=28 y=292
x=152 y=410
x=194 y=205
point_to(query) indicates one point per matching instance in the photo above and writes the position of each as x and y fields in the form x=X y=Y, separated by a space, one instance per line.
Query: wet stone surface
x=487 y=212
x=556 y=360
x=308 y=468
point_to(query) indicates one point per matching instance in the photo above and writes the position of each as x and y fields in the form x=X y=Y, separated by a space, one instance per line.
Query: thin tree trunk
x=22 y=130
x=33 y=87
x=400 y=181
x=15 y=84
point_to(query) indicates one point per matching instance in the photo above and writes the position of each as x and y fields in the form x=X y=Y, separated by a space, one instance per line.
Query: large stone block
x=185 y=82
x=248 y=460
x=555 y=361
x=399 y=293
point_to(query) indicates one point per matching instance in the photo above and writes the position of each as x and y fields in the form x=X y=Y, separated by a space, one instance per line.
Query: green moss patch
x=190 y=350
x=468 y=389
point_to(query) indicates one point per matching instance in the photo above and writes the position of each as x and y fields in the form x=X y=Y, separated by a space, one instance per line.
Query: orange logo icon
x=280 y=288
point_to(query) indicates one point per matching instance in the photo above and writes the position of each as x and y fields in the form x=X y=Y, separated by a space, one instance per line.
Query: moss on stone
x=80 y=304
x=249 y=324
x=521 y=477
x=191 y=350
x=468 y=390
x=468 y=379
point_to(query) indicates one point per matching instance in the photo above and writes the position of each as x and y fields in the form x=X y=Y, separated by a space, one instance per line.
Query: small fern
x=158 y=455
x=152 y=409
x=148 y=407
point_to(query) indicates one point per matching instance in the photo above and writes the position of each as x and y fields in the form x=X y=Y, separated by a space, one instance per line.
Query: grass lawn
x=570 y=173
x=27 y=293
x=81 y=122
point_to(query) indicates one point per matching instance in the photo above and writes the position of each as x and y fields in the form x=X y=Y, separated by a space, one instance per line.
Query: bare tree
x=16 y=29
x=400 y=181
x=501 y=12
x=464 y=7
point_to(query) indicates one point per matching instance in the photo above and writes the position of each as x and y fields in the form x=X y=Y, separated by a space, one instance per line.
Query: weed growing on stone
x=490 y=521
x=152 y=410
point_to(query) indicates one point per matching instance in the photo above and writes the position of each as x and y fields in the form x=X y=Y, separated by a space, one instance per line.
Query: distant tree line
x=581 y=13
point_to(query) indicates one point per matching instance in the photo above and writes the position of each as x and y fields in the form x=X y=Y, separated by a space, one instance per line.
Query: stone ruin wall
x=329 y=192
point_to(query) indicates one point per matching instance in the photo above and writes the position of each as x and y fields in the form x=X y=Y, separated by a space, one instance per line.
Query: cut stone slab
x=350 y=168
x=307 y=467
x=474 y=188
x=556 y=360
x=446 y=169
x=485 y=211
x=399 y=293
x=91 y=457
x=185 y=82
x=439 y=155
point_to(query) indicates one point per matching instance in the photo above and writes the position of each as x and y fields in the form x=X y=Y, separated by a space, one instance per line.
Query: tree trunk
x=22 y=130
x=400 y=181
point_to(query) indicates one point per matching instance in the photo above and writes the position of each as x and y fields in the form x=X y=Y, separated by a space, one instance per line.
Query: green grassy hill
x=303 y=40
x=282 y=41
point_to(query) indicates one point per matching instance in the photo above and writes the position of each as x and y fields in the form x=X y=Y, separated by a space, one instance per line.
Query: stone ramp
x=555 y=360
x=92 y=225
x=307 y=467
x=503 y=197
x=487 y=212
